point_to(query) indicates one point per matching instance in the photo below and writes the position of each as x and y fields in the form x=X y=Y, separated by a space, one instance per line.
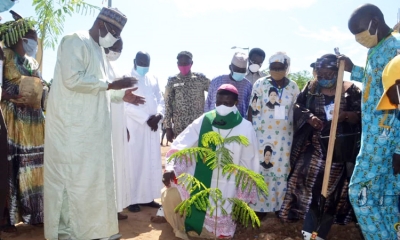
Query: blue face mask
x=30 y=46
x=142 y=70
x=325 y=83
x=5 y=5
x=238 y=76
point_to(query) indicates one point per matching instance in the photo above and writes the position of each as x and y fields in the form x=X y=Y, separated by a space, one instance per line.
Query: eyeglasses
x=112 y=31
x=277 y=69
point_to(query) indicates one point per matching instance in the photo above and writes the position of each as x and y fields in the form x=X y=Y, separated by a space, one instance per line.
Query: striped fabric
x=25 y=127
x=244 y=87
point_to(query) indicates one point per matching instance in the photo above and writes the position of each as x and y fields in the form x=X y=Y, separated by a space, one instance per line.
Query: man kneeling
x=227 y=121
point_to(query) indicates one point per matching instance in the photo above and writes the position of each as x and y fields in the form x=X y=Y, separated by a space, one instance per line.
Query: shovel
x=320 y=219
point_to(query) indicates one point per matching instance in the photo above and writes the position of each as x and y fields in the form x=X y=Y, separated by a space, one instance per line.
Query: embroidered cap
x=228 y=87
x=113 y=16
x=240 y=60
x=390 y=74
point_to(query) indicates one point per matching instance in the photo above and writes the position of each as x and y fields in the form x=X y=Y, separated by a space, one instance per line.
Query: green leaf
x=242 y=213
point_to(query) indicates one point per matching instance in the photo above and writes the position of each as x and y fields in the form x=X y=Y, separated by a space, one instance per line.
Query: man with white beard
x=144 y=147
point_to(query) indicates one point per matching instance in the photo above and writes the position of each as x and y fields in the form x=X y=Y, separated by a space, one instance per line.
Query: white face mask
x=254 y=68
x=112 y=56
x=30 y=47
x=224 y=110
x=108 y=40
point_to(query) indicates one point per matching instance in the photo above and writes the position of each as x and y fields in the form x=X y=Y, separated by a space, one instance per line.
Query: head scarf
x=282 y=58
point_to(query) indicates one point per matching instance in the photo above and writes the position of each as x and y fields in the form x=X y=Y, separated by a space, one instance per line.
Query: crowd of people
x=97 y=150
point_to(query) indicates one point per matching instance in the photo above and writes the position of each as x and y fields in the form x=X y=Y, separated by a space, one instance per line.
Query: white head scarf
x=281 y=57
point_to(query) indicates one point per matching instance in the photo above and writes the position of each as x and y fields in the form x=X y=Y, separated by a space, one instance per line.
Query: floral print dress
x=272 y=110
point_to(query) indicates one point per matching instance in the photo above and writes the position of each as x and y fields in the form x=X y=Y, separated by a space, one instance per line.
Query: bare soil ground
x=139 y=227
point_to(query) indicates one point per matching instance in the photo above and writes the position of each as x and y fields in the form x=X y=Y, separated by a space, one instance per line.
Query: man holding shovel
x=373 y=187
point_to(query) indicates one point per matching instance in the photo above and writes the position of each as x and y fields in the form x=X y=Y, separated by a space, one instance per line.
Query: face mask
x=142 y=70
x=30 y=46
x=184 y=70
x=254 y=68
x=277 y=75
x=366 y=39
x=112 y=56
x=5 y=5
x=224 y=110
x=326 y=83
x=108 y=40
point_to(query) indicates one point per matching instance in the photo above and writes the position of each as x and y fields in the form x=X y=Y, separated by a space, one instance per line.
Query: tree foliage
x=221 y=160
x=301 y=78
x=12 y=31
x=51 y=17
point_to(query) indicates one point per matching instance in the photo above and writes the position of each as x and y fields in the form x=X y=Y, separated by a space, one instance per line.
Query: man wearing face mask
x=144 y=149
x=119 y=134
x=236 y=78
x=227 y=121
x=184 y=96
x=79 y=194
x=256 y=59
x=372 y=179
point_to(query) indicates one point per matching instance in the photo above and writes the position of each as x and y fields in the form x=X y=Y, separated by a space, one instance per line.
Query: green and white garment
x=242 y=155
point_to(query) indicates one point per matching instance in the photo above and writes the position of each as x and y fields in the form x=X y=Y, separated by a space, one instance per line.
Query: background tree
x=51 y=15
x=301 y=78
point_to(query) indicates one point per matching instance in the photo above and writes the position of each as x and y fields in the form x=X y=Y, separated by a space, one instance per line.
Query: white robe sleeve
x=188 y=138
x=117 y=95
x=249 y=157
x=160 y=98
x=136 y=113
x=74 y=56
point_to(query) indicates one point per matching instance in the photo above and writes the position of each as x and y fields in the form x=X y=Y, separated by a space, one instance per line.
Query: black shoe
x=151 y=204
x=134 y=208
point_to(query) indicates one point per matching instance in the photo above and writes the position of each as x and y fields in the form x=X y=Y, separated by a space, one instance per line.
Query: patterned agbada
x=308 y=155
x=184 y=100
x=25 y=127
x=374 y=189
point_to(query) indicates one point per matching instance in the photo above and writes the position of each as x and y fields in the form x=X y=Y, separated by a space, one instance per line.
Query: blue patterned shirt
x=380 y=129
x=244 y=88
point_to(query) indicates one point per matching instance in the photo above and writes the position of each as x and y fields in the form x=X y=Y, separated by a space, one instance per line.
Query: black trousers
x=3 y=166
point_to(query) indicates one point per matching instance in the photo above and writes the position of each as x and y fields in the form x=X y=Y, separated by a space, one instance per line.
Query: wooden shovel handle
x=332 y=134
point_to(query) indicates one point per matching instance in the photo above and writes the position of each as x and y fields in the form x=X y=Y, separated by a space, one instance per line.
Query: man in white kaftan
x=119 y=136
x=79 y=196
x=144 y=130
x=242 y=155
